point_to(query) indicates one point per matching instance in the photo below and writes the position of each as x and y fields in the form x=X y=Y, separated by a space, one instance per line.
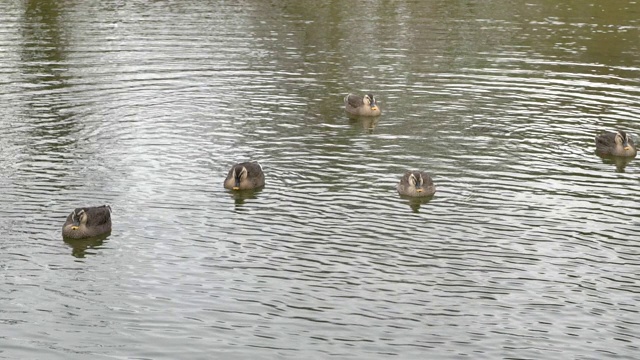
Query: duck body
x=617 y=143
x=416 y=184
x=361 y=105
x=244 y=176
x=86 y=222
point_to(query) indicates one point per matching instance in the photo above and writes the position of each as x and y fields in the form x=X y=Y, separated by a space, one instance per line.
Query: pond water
x=529 y=248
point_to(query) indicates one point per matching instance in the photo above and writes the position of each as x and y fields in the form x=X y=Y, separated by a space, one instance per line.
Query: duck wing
x=98 y=215
x=606 y=139
x=354 y=100
x=253 y=168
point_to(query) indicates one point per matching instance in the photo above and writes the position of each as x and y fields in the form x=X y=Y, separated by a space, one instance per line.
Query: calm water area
x=529 y=249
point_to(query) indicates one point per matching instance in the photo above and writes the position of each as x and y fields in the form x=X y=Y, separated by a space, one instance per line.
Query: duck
x=361 y=105
x=416 y=184
x=617 y=143
x=244 y=176
x=87 y=222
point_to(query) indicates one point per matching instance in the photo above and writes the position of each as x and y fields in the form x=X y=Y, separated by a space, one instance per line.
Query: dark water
x=528 y=250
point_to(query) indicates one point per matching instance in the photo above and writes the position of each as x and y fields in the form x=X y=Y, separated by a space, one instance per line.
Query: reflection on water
x=82 y=247
x=143 y=105
x=620 y=163
x=366 y=123
x=415 y=202
x=240 y=196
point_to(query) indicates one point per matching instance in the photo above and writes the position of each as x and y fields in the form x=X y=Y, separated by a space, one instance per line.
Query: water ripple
x=525 y=251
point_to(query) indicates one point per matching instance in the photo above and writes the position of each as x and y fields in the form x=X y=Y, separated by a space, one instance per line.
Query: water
x=527 y=250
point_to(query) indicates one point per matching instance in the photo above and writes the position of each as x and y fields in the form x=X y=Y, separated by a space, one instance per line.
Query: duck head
x=78 y=218
x=622 y=138
x=416 y=180
x=239 y=175
x=370 y=101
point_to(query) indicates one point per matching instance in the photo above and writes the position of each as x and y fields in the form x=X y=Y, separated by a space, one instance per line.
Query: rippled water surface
x=529 y=248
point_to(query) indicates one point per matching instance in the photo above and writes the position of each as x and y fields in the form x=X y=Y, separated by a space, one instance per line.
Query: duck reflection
x=239 y=196
x=81 y=247
x=619 y=162
x=367 y=123
x=415 y=202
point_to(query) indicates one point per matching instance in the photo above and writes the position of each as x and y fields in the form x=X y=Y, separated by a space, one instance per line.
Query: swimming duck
x=361 y=105
x=416 y=184
x=87 y=222
x=617 y=143
x=244 y=176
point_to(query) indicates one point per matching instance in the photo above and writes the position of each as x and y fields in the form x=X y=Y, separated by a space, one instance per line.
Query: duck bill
x=374 y=108
x=75 y=225
x=419 y=190
x=626 y=146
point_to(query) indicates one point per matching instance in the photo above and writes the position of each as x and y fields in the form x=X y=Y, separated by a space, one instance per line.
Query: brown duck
x=86 y=222
x=361 y=105
x=416 y=184
x=244 y=176
x=617 y=143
